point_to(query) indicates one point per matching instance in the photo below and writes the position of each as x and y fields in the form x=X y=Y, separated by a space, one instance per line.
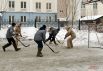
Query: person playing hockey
x=71 y=35
x=17 y=30
x=52 y=34
x=39 y=38
x=9 y=36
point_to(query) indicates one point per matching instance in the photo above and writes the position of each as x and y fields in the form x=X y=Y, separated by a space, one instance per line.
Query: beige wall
x=30 y=5
x=89 y=9
x=68 y=9
x=100 y=8
x=61 y=8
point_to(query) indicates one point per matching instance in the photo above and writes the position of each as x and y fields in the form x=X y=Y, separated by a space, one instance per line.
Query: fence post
x=35 y=23
x=58 y=23
x=0 y=24
x=88 y=35
x=79 y=24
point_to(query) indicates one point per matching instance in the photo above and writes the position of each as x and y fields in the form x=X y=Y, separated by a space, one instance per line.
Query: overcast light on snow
x=81 y=35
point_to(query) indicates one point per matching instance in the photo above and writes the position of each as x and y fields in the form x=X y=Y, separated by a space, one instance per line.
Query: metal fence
x=32 y=23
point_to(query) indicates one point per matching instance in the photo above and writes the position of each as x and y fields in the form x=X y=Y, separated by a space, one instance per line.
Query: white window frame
x=38 y=18
x=38 y=5
x=48 y=19
x=23 y=19
x=11 y=4
x=11 y=19
x=48 y=6
x=23 y=4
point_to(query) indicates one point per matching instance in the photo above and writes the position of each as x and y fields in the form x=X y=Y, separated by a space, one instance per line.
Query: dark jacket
x=54 y=31
x=40 y=35
x=10 y=32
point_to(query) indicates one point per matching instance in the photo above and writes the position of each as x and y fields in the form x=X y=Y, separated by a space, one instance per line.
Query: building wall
x=61 y=8
x=69 y=7
x=31 y=5
x=100 y=8
x=89 y=11
x=30 y=12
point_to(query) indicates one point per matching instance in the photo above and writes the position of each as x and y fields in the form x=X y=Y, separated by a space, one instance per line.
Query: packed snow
x=80 y=58
x=81 y=35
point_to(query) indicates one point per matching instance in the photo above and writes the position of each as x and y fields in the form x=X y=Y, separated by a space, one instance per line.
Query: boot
x=39 y=53
x=5 y=46
x=15 y=47
x=3 y=49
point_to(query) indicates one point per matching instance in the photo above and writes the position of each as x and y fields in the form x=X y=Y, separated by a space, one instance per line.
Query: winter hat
x=43 y=27
x=13 y=24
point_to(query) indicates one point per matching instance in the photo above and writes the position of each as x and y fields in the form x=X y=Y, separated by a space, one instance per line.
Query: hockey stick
x=58 y=41
x=23 y=43
x=51 y=48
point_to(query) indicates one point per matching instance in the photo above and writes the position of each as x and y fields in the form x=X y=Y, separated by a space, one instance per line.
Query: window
x=55 y=17
x=38 y=5
x=48 y=6
x=94 y=5
x=48 y=18
x=83 y=6
x=38 y=18
x=11 y=4
x=11 y=19
x=23 y=18
x=23 y=4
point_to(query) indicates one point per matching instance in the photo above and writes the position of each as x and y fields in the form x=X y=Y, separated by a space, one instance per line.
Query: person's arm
x=20 y=32
x=12 y=31
x=44 y=36
x=67 y=34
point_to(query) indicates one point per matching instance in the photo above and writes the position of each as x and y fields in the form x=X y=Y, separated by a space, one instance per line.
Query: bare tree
x=73 y=7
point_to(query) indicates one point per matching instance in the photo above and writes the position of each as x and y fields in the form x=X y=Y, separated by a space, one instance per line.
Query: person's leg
x=71 y=41
x=14 y=45
x=40 y=47
x=7 y=45
x=68 y=42
x=71 y=44
x=53 y=39
x=16 y=39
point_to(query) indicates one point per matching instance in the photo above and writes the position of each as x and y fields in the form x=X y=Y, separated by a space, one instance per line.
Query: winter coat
x=17 y=29
x=40 y=35
x=70 y=32
x=53 y=31
x=10 y=32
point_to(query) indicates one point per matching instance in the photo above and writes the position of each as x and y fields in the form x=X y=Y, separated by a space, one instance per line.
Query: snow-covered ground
x=80 y=58
x=81 y=35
